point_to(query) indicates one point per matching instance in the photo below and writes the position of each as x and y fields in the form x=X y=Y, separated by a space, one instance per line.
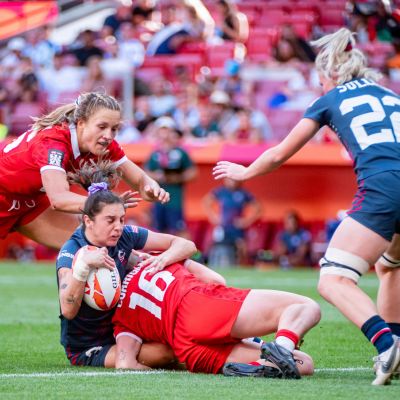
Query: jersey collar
x=74 y=141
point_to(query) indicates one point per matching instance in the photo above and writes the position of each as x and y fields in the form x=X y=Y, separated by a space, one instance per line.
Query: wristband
x=80 y=270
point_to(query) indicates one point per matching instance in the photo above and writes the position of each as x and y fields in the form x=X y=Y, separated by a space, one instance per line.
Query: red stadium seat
x=20 y=118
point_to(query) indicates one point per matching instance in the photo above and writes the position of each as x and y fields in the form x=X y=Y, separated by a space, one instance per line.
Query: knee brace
x=343 y=263
x=388 y=261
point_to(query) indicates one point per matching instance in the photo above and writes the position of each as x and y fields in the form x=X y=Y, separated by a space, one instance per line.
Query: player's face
x=105 y=228
x=97 y=133
x=326 y=84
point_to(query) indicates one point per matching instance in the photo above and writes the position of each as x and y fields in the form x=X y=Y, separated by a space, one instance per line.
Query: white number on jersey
x=155 y=292
x=376 y=115
x=15 y=143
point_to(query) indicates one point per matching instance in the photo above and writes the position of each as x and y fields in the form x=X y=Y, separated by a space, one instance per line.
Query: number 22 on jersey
x=391 y=133
x=154 y=291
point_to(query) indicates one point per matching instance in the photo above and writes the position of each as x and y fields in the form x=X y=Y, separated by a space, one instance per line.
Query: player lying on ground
x=365 y=117
x=33 y=182
x=87 y=333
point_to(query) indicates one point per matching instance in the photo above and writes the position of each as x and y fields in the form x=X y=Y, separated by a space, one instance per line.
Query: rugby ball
x=103 y=286
x=102 y=289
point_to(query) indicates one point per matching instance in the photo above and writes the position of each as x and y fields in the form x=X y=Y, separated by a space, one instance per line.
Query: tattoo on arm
x=122 y=355
x=63 y=286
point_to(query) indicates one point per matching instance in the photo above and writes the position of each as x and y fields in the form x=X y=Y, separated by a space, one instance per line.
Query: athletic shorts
x=17 y=211
x=92 y=357
x=202 y=334
x=167 y=219
x=376 y=204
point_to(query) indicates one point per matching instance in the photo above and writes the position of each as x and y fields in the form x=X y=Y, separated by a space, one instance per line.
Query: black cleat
x=282 y=358
x=256 y=371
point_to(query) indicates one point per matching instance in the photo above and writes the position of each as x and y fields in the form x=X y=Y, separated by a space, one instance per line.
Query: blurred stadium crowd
x=238 y=71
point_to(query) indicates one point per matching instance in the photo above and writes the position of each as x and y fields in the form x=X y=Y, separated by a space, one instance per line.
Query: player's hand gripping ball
x=102 y=287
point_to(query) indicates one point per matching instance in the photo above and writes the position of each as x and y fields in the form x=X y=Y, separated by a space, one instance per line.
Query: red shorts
x=17 y=211
x=202 y=334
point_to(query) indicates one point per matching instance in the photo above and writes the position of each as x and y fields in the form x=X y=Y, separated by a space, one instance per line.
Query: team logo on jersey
x=55 y=157
x=134 y=229
x=121 y=255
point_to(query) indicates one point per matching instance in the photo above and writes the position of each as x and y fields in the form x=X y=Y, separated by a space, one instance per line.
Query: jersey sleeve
x=116 y=153
x=318 y=111
x=136 y=236
x=120 y=328
x=51 y=154
x=67 y=254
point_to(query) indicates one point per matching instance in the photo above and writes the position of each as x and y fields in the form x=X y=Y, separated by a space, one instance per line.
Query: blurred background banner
x=20 y=16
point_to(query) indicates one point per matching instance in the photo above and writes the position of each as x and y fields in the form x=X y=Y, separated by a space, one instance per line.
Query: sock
x=378 y=333
x=395 y=328
x=287 y=339
x=254 y=363
x=254 y=340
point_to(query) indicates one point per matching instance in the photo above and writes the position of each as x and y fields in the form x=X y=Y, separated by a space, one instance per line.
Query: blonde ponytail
x=339 y=60
x=85 y=106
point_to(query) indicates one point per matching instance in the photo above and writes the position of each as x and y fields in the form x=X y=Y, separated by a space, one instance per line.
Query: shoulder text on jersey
x=355 y=84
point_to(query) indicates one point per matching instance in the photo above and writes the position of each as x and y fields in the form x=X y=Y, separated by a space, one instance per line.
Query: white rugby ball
x=102 y=289
x=103 y=286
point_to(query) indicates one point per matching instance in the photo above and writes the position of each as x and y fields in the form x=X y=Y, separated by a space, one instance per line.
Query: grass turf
x=33 y=365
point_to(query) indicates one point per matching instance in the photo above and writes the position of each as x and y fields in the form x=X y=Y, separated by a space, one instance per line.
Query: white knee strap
x=388 y=261
x=343 y=263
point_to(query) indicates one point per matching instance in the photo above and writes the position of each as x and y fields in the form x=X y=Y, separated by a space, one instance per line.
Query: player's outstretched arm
x=271 y=158
x=127 y=353
x=148 y=188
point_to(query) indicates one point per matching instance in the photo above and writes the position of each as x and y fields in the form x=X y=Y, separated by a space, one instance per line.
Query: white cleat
x=386 y=364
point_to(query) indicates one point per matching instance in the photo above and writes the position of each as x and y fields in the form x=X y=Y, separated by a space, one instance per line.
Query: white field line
x=82 y=374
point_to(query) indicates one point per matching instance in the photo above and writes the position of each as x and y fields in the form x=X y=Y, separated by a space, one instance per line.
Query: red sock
x=254 y=363
x=287 y=339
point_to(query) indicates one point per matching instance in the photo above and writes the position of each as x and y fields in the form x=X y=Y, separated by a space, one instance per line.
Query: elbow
x=55 y=203
x=192 y=249
x=68 y=314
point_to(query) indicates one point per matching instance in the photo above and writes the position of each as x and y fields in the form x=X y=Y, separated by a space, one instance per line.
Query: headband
x=97 y=187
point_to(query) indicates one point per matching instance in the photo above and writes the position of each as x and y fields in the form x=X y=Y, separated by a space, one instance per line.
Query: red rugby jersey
x=148 y=303
x=56 y=147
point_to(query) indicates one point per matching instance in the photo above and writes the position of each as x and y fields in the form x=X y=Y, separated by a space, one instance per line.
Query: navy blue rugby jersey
x=92 y=327
x=366 y=118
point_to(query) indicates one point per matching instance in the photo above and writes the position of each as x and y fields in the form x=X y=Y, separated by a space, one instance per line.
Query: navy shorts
x=168 y=220
x=92 y=357
x=376 y=204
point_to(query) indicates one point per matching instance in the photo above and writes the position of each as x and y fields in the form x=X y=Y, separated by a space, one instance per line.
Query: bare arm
x=271 y=158
x=173 y=249
x=57 y=189
x=148 y=188
x=208 y=205
x=127 y=353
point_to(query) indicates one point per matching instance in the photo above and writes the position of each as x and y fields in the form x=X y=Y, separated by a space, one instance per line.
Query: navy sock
x=395 y=328
x=378 y=333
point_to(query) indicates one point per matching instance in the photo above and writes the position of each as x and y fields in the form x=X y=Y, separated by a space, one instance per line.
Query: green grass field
x=33 y=365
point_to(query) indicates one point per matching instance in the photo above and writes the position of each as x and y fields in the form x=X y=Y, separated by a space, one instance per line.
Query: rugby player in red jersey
x=33 y=183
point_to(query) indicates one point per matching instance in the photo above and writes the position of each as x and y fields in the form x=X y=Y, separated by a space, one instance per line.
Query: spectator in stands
x=243 y=128
x=161 y=101
x=237 y=210
x=221 y=110
x=191 y=28
x=302 y=49
x=113 y=22
x=173 y=168
x=94 y=79
x=143 y=115
x=13 y=55
x=39 y=48
x=87 y=48
x=64 y=77
x=130 y=48
x=234 y=25
x=293 y=243
x=186 y=113
x=207 y=127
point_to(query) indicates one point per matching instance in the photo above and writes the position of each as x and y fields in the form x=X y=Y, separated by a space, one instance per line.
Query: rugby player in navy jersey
x=86 y=333
x=366 y=118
